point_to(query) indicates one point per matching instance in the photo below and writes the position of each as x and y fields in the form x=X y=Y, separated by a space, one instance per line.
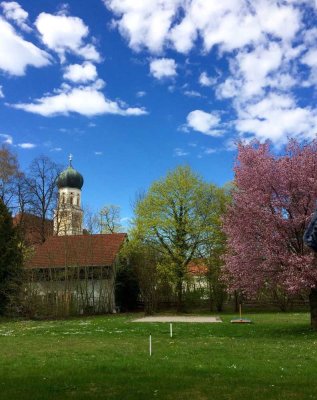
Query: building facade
x=72 y=272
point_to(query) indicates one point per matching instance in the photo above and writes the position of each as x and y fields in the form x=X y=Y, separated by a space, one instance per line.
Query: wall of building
x=68 y=216
x=74 y=291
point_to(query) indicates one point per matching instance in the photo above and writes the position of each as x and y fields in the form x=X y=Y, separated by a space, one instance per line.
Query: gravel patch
x=176 y=318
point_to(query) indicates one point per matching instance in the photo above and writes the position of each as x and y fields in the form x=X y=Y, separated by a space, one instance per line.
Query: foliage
x=214 y=250
x=10 y=259
x=273 y=201
x=142 y=260
x=127 y=287
x=175 y=218
x=10 y=178
x=107 y=357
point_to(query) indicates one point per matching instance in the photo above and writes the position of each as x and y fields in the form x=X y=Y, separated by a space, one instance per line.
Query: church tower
x=68 y=216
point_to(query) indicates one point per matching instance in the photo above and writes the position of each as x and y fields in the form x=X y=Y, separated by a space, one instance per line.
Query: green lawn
x=107 y=358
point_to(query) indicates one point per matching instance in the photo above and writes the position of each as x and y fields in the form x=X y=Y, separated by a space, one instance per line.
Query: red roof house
x=77 y=251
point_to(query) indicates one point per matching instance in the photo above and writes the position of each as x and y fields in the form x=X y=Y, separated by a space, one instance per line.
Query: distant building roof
x=31 y=227
x=77 y=251
x=197 y=267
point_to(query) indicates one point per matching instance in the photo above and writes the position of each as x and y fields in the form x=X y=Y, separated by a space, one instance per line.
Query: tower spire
x=70 y=158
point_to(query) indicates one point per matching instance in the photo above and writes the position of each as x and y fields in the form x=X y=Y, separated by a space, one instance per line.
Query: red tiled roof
x=31 y=227
x=197 y=267
x=77 y=250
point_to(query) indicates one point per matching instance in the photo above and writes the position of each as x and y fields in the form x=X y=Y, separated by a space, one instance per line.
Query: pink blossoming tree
x=273 y=202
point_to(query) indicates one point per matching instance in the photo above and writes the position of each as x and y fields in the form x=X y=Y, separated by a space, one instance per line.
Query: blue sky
x=134 y=88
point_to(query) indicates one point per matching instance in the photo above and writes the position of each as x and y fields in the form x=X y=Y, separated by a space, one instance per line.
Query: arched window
x=63 y=198
x=71 y=198
x=78 y=199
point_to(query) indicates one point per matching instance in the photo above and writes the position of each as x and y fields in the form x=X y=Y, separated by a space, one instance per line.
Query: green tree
x=143 y=261
x=177 y=216
x=214 y=249
x=10 y=259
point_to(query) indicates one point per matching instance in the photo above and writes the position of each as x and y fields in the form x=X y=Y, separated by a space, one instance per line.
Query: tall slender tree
x=10 y=259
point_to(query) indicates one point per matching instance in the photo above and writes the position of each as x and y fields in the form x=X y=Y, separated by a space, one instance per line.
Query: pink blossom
x=273 y=201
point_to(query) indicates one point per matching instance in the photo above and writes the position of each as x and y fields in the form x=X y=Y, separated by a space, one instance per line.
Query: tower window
x=71 y=198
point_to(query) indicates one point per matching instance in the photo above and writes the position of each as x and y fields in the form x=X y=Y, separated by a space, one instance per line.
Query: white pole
x=171 y=330
x=150 y=342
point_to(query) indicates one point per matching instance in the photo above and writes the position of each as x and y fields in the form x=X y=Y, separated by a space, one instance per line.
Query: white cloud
x=209 y=150
x=206 y=80
x=80 y=73
x=85 y=100
x=141 y=93
x=56 y=149
x=229 y=88
x=63 y=34
x=7 y=139
x=1 y=93
x=26 y=146
x=144 y=23
x=13 y=11
x=98 y=153
x=16 y=54
x=230 y=24
x=263 y=42
x=201 y=121
x=256 y=65
x=230 y=145
x=192 y=93
x=251 y=70
x=276 y=117
x=310 y=58
x=183 y=35
x=178 y=152
x=163 y=68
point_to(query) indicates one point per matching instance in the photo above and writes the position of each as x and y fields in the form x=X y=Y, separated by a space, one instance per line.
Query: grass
x=107 y=358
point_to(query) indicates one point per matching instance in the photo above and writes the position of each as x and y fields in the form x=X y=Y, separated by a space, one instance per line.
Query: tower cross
x=70 y=159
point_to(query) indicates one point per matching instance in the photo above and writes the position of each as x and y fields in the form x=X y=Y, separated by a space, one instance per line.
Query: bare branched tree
x=110 y=219
x=42 y=190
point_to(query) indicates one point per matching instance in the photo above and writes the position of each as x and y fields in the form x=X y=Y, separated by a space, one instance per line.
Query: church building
x=73 y=272
x=68 y=216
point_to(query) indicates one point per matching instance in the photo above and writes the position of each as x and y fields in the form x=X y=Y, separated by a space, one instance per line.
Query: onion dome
x=70 y=178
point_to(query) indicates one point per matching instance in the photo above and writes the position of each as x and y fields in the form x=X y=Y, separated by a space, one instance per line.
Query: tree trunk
x=313 y=307
x=236 y=301
x=179 y=290
x=210 y=297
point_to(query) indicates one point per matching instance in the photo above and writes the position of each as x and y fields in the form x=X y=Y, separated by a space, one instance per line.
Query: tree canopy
x=177 y=217
x=273 y=201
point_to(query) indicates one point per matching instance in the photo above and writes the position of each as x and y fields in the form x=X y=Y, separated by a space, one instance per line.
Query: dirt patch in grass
x=176 y=318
